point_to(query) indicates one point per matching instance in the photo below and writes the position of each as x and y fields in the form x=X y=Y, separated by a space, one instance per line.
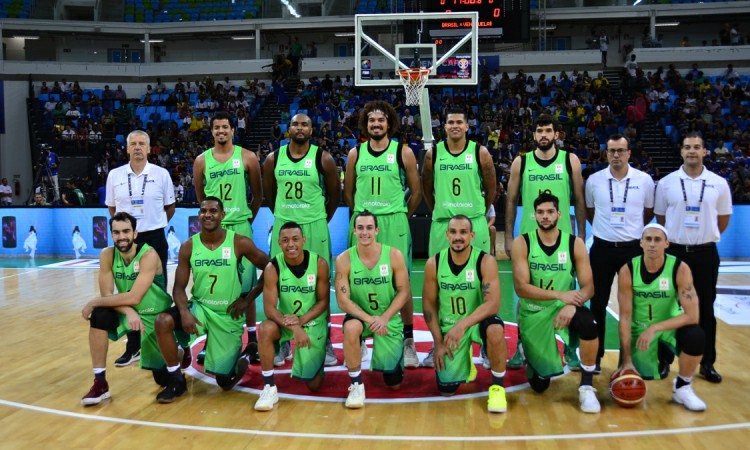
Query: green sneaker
x=496 y=402
x=517 y=361
x=571 y=359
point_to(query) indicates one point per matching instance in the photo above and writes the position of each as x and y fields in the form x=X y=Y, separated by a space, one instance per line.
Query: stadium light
x=153 y=41
x=349 y=34
x=243 y=38
x=29 y=37
x=667 y=24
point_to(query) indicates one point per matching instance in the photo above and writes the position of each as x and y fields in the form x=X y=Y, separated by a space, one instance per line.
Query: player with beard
x=137 y=272
x=223 y=172
x=301 y=185
x=461 y=305
x=546 y=263
x=378 y=174
x=216 y=305
x=546 y=169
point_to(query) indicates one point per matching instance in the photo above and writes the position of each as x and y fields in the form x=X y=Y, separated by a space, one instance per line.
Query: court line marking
x=291 y=434
x=20 y=273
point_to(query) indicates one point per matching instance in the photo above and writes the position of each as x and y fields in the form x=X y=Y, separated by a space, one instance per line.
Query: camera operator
x=49 y=158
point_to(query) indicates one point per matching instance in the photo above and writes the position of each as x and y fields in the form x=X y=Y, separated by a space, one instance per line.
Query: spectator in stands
x=120 y=93
x=6 y=193
x=73 y=195
x=735 y=38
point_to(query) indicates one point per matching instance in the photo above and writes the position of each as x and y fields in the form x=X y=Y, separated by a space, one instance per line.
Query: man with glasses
x=619 y=202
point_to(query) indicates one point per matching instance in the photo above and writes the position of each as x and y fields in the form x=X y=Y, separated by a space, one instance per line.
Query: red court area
x=418 y=383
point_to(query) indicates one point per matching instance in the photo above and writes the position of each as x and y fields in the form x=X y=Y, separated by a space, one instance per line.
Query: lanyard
x=625 y=195
x=684 y=193
x=143 y=189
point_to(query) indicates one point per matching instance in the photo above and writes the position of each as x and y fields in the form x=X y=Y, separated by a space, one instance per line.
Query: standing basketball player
x=216 y=306
x=461 y=305
x=378 y=174
x=372 y=285
x=546 y=169
x=458 y=177
x=223 y=172
x=546 y=263
x=295 y=300
x=658 y=304
x=310 y=193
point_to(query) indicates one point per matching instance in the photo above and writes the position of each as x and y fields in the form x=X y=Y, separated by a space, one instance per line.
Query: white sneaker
x=411 y=360
x=589 y=402
x=686 y=397
x=429 y=360
x=364 y=350
x=268 y=398
x=485 y=358
x=285 y=354
x=356 y=398
x=331 y=359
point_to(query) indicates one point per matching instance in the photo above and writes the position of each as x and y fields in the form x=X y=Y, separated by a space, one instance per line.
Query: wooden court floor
x=45 y=369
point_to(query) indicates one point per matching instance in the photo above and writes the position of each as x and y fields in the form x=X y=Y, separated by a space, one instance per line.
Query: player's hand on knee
x=378 y=326
x=564 y=317
x=441 y=351
x=453 y=338
x=290 y=320
x=189 y=322
x=644 y=340
x=134 y=321
x=86 y=311
x=301 y=339
x=238 y=307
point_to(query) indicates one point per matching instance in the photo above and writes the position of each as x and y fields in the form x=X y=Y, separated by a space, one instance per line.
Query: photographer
x=49 y=158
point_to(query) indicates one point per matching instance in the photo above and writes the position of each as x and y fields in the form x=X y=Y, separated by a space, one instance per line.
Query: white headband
x=657 y=226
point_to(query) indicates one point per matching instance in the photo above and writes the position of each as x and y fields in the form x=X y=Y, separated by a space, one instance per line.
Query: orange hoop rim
x=413 y=74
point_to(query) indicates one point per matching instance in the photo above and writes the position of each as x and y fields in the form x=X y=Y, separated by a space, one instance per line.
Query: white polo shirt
x=700 y=225
x=619 y=204
x=144 y=196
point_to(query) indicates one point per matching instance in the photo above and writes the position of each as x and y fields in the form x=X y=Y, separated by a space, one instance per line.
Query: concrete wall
x=15 y=155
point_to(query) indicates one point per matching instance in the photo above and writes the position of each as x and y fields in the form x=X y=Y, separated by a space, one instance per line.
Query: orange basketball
x=627 y=390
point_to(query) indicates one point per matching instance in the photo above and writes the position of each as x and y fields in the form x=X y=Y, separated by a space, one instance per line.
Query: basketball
x=627 y=390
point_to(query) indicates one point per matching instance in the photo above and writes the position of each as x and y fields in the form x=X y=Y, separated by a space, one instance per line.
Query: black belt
x=693 y=248
x=624 y=244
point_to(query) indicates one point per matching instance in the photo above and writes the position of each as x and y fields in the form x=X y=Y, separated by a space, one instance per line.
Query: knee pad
x=584 y=324
x=539 y=384
x=692 y=340
x=104 y=319
x=393 y=379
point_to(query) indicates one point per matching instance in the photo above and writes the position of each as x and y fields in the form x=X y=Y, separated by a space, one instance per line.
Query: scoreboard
x=499 y=20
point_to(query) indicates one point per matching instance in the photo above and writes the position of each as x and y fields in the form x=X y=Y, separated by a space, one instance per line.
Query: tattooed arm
x=688 y=299
x=343 y=294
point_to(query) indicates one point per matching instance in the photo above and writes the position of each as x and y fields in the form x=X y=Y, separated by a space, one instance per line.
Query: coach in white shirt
x=619 y=202
x=146 y=192
x=694 y=204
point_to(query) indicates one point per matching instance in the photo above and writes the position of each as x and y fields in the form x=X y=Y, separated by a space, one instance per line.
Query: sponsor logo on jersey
x=458 y=205
x=547 y=267
x=533 y=306
x=136 y=266
x=562 y=257
x=469 y=158
x=211 y=262
x=470 y=275
x=455 y=166
x=308 y=163
x=293 y=173
x=223 y=173
x=226 y=252
x=558 y=168
x=549 y=177
x=311 y=280
x=361 y=281
x=384 y=270
x=663 y=284
x=236 y=163
x=147 y=310
x=125 y=276
x=376 y=168
x=391 y=158
x=298 y=289
x=209 y=301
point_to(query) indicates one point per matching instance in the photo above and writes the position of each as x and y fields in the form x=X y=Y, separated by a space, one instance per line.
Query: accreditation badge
x=617 y=217
x=692 y=216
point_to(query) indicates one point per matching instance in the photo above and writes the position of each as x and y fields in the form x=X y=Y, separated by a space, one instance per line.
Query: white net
x=414 y=81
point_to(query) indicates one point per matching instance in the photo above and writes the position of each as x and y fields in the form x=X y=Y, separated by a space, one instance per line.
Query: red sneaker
x=98 y=392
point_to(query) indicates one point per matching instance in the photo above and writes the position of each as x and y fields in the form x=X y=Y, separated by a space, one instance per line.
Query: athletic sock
x=408 y=331
x=268 y=377
x=682 y=381
x=498 y=378
x=100 y=374
x=356 y=377
x=173 y=370
x=587 y=375
x=251 y=337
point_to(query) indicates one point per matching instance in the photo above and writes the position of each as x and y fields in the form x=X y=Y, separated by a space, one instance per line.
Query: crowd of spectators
x=500 y=113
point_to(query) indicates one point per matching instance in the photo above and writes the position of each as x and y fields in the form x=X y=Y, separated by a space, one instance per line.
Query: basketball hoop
x=414 y=81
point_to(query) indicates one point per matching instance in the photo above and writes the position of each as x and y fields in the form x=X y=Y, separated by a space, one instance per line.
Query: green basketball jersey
x=538 y=176
x=156 y=299
x=458 y=294
x=297 y=294
x=372 y=289
x=555 y=271
x=216 y=278
x=655 y=301
x=458 y=182
x=228 y=181
x=300 y=195
x=381 y=180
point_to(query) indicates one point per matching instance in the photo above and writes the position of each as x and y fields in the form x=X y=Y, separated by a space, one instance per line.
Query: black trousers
x=704 y=264
x=157 y=240
x=607 y=258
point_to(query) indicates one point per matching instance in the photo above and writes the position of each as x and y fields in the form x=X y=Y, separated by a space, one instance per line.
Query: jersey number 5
x=372 y=298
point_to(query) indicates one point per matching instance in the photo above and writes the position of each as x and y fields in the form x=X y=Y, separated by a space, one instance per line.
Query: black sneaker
x=227 y=383
x=201 y=358
x=176 y=387
x=251 y=351
x=127 y=358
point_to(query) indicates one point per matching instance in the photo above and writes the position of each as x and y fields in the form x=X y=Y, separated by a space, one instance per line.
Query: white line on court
x=359 y=437
x=19 y=273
